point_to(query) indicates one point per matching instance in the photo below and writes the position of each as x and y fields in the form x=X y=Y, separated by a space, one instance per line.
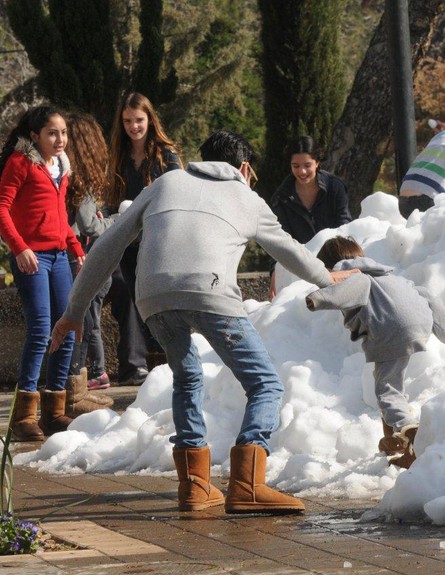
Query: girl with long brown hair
x=140 y=152
x=88 y=155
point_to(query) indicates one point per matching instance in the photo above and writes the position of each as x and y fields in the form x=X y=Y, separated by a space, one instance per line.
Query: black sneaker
x=137 y=378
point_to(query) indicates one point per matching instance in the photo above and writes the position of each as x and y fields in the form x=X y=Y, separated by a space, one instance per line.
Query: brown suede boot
x=52 y=412
x=247 y=491
x=195 y=492
x=407 y=435
x=79 y=399
x=24 y=419
x=390 y=444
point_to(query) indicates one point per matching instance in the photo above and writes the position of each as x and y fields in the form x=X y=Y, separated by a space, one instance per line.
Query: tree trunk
x=363 y=134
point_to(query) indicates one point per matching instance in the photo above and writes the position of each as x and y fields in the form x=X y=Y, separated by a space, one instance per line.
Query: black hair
x=304 y=145
x=225 y=146
x=32 y=121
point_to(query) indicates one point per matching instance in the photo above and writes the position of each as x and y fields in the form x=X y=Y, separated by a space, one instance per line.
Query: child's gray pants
x=390 y=391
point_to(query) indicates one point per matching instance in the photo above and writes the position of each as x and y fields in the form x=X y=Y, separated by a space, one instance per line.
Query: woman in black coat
x=309 y=199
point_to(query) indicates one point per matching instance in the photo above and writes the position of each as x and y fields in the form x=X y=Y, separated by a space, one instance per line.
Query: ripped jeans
x=242 y=350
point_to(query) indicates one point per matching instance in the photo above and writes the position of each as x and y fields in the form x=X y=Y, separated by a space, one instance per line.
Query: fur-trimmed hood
x=28 y=149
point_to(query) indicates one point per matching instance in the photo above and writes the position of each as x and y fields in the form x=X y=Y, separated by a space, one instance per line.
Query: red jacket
x=32 y=210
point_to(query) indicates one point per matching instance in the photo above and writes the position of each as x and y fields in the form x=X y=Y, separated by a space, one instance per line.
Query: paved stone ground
x=128 y=524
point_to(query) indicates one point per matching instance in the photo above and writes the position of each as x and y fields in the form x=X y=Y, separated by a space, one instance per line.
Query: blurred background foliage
x=265 y=69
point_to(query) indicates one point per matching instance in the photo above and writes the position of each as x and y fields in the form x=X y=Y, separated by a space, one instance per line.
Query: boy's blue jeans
x=240 y=347
x=44 y=296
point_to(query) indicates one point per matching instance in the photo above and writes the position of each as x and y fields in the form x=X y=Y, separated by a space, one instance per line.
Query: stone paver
x=129 y=524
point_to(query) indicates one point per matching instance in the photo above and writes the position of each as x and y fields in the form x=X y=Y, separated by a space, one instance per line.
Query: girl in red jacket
x=33 y=222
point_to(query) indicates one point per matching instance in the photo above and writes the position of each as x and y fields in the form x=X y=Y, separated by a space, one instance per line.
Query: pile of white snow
x=327 y=442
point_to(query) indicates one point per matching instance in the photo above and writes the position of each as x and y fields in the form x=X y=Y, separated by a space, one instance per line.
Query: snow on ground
x=326 y=444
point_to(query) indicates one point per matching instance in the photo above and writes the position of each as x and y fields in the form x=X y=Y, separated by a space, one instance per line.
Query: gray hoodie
x=386 y=310
x=195 y=226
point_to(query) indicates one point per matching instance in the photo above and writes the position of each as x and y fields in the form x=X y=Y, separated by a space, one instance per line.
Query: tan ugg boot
x=390 y=444
x=79 y=399
x=195 y=492
x=52 y=412
x=407 y=435
x=24 y=418
x=248 y=492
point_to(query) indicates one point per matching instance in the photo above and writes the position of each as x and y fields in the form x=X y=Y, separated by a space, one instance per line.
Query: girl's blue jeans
x=44 y=297
x=242 y=350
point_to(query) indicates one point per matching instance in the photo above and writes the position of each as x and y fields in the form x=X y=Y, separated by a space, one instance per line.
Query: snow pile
x=330 y=426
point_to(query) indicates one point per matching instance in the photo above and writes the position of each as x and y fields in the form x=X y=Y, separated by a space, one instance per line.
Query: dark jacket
x=330 y=209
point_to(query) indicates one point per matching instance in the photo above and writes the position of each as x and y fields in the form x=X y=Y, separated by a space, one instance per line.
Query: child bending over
x=394 y=318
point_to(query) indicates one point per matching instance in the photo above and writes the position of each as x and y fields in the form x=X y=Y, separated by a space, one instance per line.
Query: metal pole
x=400 y=60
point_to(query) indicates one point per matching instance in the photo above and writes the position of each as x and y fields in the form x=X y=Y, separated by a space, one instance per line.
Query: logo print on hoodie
x=215 y=281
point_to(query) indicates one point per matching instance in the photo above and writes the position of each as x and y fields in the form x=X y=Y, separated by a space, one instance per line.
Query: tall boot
x=195 y=492
x=247 y=491
x=24 y=419
x=52 y=412
x=390 y=444
x=407 y=435
x=79 y=399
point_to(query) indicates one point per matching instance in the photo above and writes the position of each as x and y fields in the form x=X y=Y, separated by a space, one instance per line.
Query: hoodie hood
x=365 y=265
x=27 y=148
x=217 y=170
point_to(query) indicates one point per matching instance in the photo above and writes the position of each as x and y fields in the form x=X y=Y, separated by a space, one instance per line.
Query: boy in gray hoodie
x=394 y=318
x=195 y=225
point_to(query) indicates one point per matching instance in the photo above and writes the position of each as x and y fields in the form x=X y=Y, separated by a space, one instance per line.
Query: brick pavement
x=128 y=524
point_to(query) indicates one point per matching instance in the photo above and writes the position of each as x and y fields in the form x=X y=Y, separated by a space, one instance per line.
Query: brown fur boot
x=390 y=444
x=407 y=435
x=52 y=412
x=248 y=492
x=79 y=399
x=195 y=492
x=24 y=419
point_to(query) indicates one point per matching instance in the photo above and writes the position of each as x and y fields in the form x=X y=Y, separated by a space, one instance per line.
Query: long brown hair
x=88 y=155
x=120 y=149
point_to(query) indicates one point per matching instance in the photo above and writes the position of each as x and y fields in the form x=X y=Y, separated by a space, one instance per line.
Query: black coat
x=330 y=209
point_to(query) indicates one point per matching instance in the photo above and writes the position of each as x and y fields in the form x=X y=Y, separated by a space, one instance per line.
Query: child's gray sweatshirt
x=391 y=314
x=195 y=225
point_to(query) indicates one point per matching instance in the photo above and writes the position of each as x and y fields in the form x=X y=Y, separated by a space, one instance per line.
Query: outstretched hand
x=341 y=275
x=61 y=329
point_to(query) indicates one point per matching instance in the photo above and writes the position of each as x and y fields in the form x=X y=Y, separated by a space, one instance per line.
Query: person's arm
x=351 y=293
x=282 y=247
x=88 y=222
x=13 y=177
x=102 y=260
x=104 y=257
x=74 y=246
